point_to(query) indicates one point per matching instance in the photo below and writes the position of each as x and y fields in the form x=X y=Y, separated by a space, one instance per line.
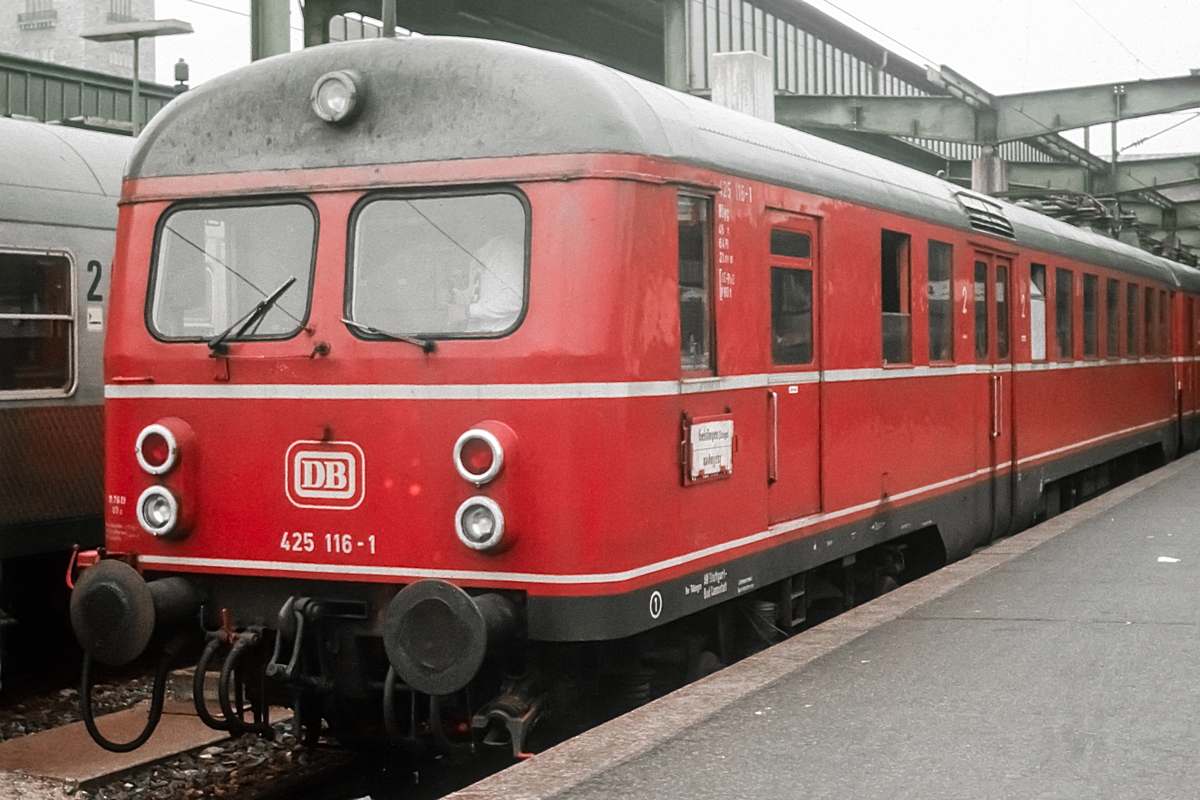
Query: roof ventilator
x=986 y=215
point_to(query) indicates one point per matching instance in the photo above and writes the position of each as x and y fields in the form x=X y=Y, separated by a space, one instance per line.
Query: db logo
x=325 y=474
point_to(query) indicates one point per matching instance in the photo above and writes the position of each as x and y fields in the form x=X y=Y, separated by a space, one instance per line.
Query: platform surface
x=1063 y=662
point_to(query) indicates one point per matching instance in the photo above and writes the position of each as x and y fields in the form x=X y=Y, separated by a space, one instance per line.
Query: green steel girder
x=1031 y=113
x=1156 y=173
x=624 y=34
x=946 y=118
x=1011 y=118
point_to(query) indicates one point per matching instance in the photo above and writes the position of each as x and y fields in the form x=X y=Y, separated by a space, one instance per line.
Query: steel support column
x=270 y=28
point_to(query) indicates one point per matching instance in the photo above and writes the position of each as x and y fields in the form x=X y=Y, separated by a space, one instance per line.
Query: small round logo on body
x=655 y=605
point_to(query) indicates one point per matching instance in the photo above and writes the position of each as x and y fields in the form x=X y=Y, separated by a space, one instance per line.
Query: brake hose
x=157 y=698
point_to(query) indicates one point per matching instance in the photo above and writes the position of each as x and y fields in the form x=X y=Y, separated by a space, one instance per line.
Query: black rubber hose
x=439 y=733
x=234 y=721
x=210 y=649
x=157 y=698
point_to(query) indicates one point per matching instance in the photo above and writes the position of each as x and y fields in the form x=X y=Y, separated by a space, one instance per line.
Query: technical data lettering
x=712 y=449
x=745 y=584
x=334 y=543
x=116 y=504
x=731 y=192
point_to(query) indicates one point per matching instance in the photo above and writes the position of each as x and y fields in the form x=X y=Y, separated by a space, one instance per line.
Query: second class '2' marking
x=335 y=543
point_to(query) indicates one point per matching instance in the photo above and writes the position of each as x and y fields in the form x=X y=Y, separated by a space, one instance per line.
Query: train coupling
x=510 y=716
x=115 y=611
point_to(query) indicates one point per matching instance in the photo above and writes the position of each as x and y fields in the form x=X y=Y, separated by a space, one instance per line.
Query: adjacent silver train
x=59 y=188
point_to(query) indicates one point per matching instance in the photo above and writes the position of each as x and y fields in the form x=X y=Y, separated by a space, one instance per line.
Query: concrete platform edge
x=579 y=759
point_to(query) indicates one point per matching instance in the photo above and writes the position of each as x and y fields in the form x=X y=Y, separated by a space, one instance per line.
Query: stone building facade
x=49 y=30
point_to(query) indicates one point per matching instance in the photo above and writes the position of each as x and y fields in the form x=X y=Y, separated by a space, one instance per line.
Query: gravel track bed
x=243 y=767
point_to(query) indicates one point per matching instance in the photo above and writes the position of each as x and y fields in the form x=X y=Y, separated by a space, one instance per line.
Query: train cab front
x=288 y=494
x=282 y=462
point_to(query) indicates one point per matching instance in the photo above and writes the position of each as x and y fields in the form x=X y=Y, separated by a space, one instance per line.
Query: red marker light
x=477 y=456
x=156 y=449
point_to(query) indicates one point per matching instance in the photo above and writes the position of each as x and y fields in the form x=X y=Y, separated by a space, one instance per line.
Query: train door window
x=1131 y=320
x=1037 y=312
x=1001 y=311
x=941 y=311
x=1112 y=317
x=981 y=320
x=695 y=290
x=36 y=324
x=1149 y=347
x=791 y=298
x=1164 y=331
x=897 y=297
x=1091 y=326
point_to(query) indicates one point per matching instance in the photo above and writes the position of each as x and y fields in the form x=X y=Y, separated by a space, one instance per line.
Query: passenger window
x=791 y=316
x=981 y=326
x=1037 y=312
x=1149 y=346
x=1112 y=317
x=36 y=323
x=1064 y=291
x=896 y=297
x=1001 y=311
x=695 y=290
x=1131 y=320
x=941 y=317
x=1091 y=326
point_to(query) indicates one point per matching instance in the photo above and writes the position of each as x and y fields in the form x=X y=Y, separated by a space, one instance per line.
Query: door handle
x=996 y=405
x=773 y=456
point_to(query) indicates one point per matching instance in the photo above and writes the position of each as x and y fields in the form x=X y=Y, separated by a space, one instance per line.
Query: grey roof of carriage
x=455 y=98
x=55 y=175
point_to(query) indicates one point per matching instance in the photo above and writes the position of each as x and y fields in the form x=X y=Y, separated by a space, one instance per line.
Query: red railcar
x=451 y=360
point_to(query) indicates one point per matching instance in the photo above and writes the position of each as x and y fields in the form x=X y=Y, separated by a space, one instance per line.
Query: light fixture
x=158 y=511
x=338 y=96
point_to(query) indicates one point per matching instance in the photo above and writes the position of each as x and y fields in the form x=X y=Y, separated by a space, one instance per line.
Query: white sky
x=1005 y=46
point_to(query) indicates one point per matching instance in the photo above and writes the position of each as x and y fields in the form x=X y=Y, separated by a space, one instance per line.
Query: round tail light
x=158 y=511
x=480 y=523
x=478 y=455
x=156 y=449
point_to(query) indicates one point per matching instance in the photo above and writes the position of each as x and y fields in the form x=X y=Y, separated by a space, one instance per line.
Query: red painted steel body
x=594 y=490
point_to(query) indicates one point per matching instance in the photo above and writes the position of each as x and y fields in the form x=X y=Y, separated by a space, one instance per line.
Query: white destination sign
x=712 y=448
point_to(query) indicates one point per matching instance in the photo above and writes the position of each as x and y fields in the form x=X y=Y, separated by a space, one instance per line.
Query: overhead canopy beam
x=1156 y=173
x=946 y=118
x=1010 y=118
x=1031 y=113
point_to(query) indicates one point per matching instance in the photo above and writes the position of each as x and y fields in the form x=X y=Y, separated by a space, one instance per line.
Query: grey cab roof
x=448 y=98
x=55 y=175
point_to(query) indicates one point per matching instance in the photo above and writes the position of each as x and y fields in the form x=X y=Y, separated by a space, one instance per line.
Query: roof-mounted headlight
x=337 y=97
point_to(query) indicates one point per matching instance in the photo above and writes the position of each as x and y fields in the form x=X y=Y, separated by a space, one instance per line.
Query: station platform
x=1063 y=662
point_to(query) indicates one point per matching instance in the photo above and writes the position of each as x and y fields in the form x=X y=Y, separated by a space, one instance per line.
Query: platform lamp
x=136 y=31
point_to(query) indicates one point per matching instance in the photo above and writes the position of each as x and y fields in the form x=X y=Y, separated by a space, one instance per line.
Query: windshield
x=439 y=266
x=216 y=264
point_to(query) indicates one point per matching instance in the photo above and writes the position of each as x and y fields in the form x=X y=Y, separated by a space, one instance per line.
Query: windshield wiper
x=426 y=345
x=217 y=344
